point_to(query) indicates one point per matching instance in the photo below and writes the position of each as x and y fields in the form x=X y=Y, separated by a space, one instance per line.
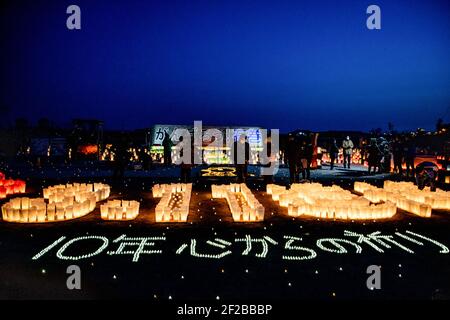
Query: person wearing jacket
x=167 y=145
x=398 y=153
x=292 y=159
x=305 y=153
x=241 y=161
x=334 y=153
x=385 y=148
x=374 y=156
x=347 y=145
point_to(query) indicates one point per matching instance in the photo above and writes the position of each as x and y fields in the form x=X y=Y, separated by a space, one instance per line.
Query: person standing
x=305 y=158
x=398 y=153
x=347 y=145
x=241 y=160
x=292 y=159
x=334 y=153
x=385 y=149
x=186 y=167
x=268 y=178
x=145 y=158
x=167 y=145
x=374 y=156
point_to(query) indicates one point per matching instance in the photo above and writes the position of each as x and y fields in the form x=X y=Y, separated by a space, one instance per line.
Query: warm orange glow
x=406 y=196
x=174 y=203
x=10 y=186
x=65 y=202
x=313 y=199
x=119 y=210
x=243 y=205
x=88 y=149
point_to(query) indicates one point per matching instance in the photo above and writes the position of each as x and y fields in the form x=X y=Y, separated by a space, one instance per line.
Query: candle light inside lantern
x=407 y=196
x=10 y=186
x=174 y=203
x=313 y=199
x=243 y=205
x=65 y=202
x=119 y=210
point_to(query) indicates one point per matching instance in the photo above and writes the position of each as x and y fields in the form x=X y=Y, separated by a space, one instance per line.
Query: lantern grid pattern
x=313 y=199
x=174 y=203
x=406 y=196
x=119 y=210
x=65 y=202
x=243 y=205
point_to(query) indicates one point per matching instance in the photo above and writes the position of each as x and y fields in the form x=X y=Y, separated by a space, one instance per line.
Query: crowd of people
x=378 y=152
x=347 y=152
x=299 y=154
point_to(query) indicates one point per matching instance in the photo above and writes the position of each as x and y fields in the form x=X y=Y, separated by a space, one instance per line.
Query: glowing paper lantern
x=407 y=197
x=243 y=205
x=80 y=191
x=174 y=203
x=313 y=199
x=119 y=210
x=10 y=186
x=65 y=202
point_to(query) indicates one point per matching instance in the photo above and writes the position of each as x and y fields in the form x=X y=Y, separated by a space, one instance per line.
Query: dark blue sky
x=279 y=64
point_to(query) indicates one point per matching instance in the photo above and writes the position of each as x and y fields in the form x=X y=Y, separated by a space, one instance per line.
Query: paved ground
x=243 y=273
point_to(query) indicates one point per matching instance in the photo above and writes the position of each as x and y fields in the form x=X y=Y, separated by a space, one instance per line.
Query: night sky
x=278 y=64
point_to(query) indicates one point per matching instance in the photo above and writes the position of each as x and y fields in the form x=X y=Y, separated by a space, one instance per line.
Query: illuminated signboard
x=211 y=155
x=158 y=133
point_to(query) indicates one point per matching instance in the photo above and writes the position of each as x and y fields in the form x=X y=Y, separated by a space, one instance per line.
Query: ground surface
x=241 y=274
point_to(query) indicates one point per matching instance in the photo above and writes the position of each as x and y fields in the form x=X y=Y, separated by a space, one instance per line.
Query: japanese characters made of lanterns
x=313 y=199
x=406 y=196
x=65 y=202
x=119 y=210
x=174 y=203
x=10 y=186
x=243 y=205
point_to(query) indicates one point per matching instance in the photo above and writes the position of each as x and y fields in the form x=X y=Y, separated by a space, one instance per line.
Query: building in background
x=211 y=155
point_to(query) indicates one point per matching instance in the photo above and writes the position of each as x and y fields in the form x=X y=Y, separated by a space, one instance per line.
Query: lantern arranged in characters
x=243 y=204
x=174 y=203
x=64 y=202
x=406 y=196
x=313 y=199
x=119 y=210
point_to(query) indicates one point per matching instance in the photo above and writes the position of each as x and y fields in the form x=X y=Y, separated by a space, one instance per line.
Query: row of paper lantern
x=119 y=210
x=71 y=201
x=243 y=205
x=379 y=195
x=316 y=200
x=174 y=203
x=80 y=191
x=63 y=204
x=10 y=186
x=406 y=196
x=438 y=199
